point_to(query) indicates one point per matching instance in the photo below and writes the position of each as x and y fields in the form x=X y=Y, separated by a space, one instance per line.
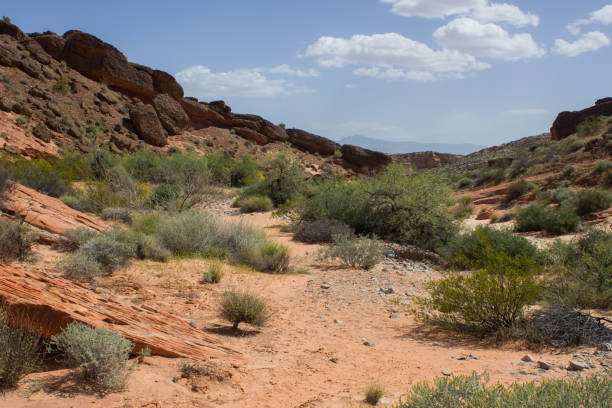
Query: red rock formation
x=312 y=142
x=426 y=160
x=566 y=122
x=51 y=303
x=16 y=140
x=47 y=213
x=364 y=158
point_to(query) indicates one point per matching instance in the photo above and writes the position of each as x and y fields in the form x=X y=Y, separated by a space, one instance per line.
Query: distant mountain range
x=387 y=146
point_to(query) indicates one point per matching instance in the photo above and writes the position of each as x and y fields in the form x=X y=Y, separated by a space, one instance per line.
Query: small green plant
x=373 y=394
x=75 y=238
x=321 y=230
x=19 y=351
x=214 y=273
x=98 y=354
x=80 y=266
x=61 y=85
x=536 y=217
x=255 y=203
x=22 y=120
x=464 y=207
x=602 y=166
x=591 y=126
x=117 y=214
x=272 y=258
x=474 y=392
x=518 y=189
x=465 y=182
x=590 y=201
x=486 y=300
x=104 y=84
x=242 y=307
x=15 y=241
x=149 y=247
x=108 y=251
x=362 y=253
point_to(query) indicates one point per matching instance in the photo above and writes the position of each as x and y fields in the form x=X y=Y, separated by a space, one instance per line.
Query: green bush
x=149 y=247
x=486 y=300
x=77 y=237
x=164 y=195
x=237 y=307
x=255 y=203
x=583 y=270
x=518 y=189
x=362 y=253
x=272 y=258
x=590 y=201
x=187 y=233
x=15 y=241
x=602 y=166
x=395 y=206
x=464 y=183
x=214 y=274
x=5 y=182
x=464 y=207
x=80 y=266
x=61 y=85
x=591 y=126
x=244 y=173
x=321 y=230
x=473 y=391
x=567 y=172
x=536 y=217
x=98 y=354
x=117 y=214
x=373 y=394
x=108 y=251
x=19 y=352
x=571 y=145
x=468 y=250
x=491 y=176
x=22 y=120
x=146 y=223
x=563 y=195
x=38 y=174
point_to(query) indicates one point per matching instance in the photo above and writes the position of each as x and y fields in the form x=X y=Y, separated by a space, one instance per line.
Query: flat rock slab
x=51 y=303
x=44 y=212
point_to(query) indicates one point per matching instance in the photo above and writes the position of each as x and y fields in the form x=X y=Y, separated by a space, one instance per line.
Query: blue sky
x=448 y=71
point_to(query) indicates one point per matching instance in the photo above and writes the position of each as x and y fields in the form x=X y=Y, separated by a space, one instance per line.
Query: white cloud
x=480 y=10
x=525 y=112
x=351 y=86
x=392 y=56
x=287 y=70
x=487 y=40
x=587 y=42
x=601 y=16
x=200 y=81
x=505 y=13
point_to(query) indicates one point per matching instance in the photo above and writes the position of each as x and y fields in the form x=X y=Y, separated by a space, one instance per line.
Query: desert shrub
x=214 y=274
x=492 y=176
x=61 y=85
x=144 y=165
x=77 y=201
x=591 y=126
x=77 y=237
x=146 y=223
x=520 y=164
x=563 y=195
x=469 y=250
x=5 y=182
x=321 y=230
x=15 y=241
x=362 y=253
x=117 y=214
x=271 y=257
x=149 y=247
x=501 y=218
x=108 y=251
x=571 y=145
x=464 y=183
x=164 y=195
x=19 y=352
x=536 y=217
x=486 y=300
x=39 y=175
x=518 y=189
x=242 y=307
x=373 y=394
x=187 y=233
x=98 y=354
x=22 y=120
x=244 y=173
x=582 y=270
x=567 y=172
x=474 y=392
x=240 y=239
x=602 y=166
x=464 y=207
x=590 y=201
x=80 y=266
x=395 y=206
x=284 y=179
x=255 y=203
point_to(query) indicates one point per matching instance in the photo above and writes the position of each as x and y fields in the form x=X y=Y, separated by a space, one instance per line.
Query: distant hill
x=387 y=146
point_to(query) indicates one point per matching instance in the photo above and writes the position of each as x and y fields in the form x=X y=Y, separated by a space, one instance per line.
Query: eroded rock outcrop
x=171 y=114
x=147 y=125
x=312 y=142
x=364 y=158
x=51 y=302
x=566 y=123
x=44 y=212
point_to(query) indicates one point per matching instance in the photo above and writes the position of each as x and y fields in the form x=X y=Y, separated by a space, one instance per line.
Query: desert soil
x=332 y=332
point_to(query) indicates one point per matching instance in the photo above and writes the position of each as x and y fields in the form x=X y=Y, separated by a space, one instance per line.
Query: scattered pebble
x=544 y=365
x=368 y=343
x=447 y=373
x=395 y=316
x=528 y=358
x=605 y=347
x=575 y=365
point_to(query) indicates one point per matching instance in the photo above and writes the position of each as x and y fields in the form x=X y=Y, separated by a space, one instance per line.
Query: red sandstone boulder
x=361 y=157
x=147 y=125
x=311 y=142
x=52 y=43
x=171 y=114
x=566 y=123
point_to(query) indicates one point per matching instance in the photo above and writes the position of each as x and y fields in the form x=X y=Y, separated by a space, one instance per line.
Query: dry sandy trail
x=312 y=351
